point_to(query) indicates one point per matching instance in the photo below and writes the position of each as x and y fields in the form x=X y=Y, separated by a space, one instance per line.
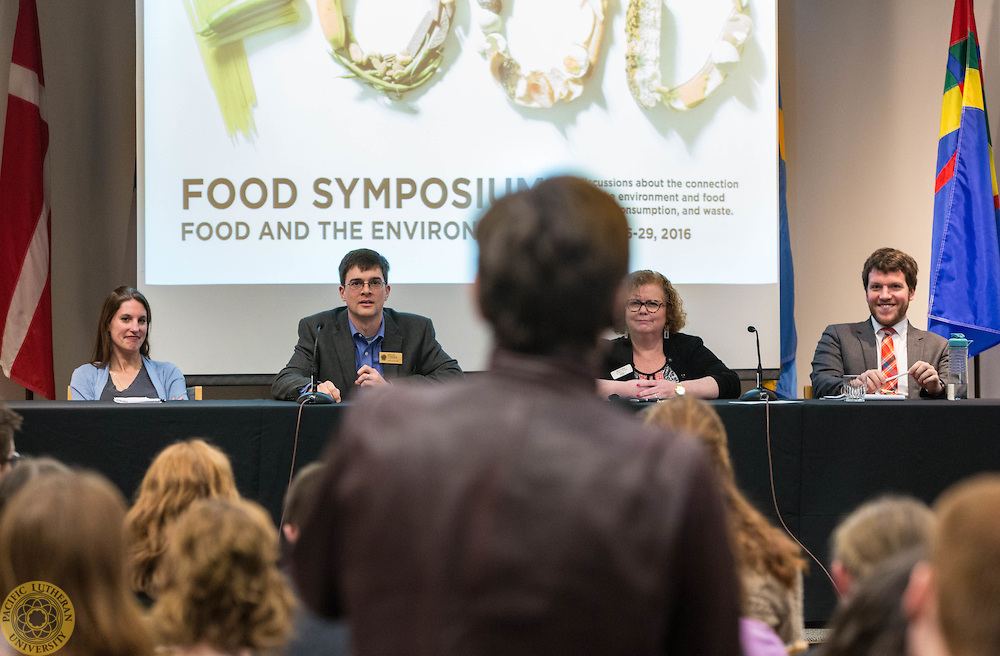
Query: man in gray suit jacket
x=890 y=280
x=363 y=344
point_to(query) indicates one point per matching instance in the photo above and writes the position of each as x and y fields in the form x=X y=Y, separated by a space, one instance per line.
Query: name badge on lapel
x=621 y=372
x=390 y=357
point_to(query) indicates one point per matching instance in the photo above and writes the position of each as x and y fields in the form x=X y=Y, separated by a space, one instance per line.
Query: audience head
x=758 y=546
x=953 y=601
x=27 y=469
x=221 y=583
x=298 y=501
x=888 y=260
x=871 y=622
x=180 y=474
x=366 y=260
x=550 y=262
x=10 y=423
x=66 y=529
x=673 y=310
x=104 y=343
x=873 y=532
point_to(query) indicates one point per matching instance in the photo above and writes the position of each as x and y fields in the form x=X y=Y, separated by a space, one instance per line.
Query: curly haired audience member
x=874 y=531
x=222 y=592
x=66 y=529
x=180 y=474
x=769 y=563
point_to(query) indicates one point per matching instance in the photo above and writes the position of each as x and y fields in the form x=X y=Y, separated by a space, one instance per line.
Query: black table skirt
x=826 y=457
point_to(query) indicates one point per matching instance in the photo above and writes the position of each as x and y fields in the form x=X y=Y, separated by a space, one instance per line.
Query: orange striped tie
x=888 y=361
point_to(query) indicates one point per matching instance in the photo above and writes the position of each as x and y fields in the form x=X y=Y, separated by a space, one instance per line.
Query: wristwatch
x=679 y=390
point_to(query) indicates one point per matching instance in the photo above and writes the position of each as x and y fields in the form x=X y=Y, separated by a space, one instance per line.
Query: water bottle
x=957 y=382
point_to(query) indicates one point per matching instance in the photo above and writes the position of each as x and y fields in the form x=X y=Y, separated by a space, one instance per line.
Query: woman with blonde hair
x=769 y=563
x=66 y=529
x=222 y=590
x=179 y=475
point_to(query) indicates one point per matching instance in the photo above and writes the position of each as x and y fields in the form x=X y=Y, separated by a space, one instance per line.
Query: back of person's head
x=27 y=469
x=301 y=494
x=550 y=262
x=180 y=474
x=366 y=260
x=221 y=584
x=888 y=260
x=874 y=531
x=965 y=553
x=66 y=529
x=871 y=622
x=10 y=423
x=758 y=545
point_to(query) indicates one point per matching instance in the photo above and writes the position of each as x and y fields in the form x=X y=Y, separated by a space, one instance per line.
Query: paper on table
x=137 y=399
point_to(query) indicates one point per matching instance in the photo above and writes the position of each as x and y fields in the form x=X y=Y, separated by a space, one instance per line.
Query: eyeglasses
x=11 y=459
x=374 y=285
x=651 y=306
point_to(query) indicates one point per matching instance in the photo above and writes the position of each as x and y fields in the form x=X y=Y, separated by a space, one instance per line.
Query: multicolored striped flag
x=25 y=232
x=965 y=246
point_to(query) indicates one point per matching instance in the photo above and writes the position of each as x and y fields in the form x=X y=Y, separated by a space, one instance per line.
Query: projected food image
x=393 y=73
x=563 y=81
x=220 y=27
x=642 y=27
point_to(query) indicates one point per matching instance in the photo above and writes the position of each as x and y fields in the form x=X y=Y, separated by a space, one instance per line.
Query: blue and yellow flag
x=965 y=246
x=787 y=386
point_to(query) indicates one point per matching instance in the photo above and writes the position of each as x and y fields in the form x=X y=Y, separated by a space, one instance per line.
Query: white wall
x=861 y=82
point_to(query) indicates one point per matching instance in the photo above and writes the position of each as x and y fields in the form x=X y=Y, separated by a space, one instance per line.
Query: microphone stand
x=313 y=396
x=759 y=393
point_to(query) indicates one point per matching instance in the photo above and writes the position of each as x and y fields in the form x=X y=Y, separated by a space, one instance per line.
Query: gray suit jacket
x=850 y=348
x=409 y=334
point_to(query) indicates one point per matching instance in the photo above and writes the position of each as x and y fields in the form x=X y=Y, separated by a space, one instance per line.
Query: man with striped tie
x=892 y=355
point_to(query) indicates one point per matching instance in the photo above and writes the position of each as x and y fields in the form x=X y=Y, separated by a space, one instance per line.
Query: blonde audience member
x=222 y=591
x=874 y=531
x=769 y=563
x=952 y=601
x=179 y=475
x=66 y=529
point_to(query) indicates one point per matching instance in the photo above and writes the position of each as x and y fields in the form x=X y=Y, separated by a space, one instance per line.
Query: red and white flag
x=25 y=230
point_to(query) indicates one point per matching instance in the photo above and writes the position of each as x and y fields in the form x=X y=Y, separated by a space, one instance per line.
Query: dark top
x=141 y=386
x=687 y=355
x=510 y=515
x=409 y=334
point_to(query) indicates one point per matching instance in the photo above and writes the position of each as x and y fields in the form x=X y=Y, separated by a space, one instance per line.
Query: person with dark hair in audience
x=362 y=344
x=179 y=475
x=65 y=529
x=222 y=592
x=28 y=469
x=952 y=602
x=874 y=531
x=769 y=563
x=119 y=365
x=885 y=344
x=312 y=635
x=10 y=423
x=654 y=360
x=514 y=513
x=870 y=622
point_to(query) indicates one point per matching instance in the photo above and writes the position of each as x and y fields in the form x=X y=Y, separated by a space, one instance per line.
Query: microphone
x=759 y=393
x=312 y=396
